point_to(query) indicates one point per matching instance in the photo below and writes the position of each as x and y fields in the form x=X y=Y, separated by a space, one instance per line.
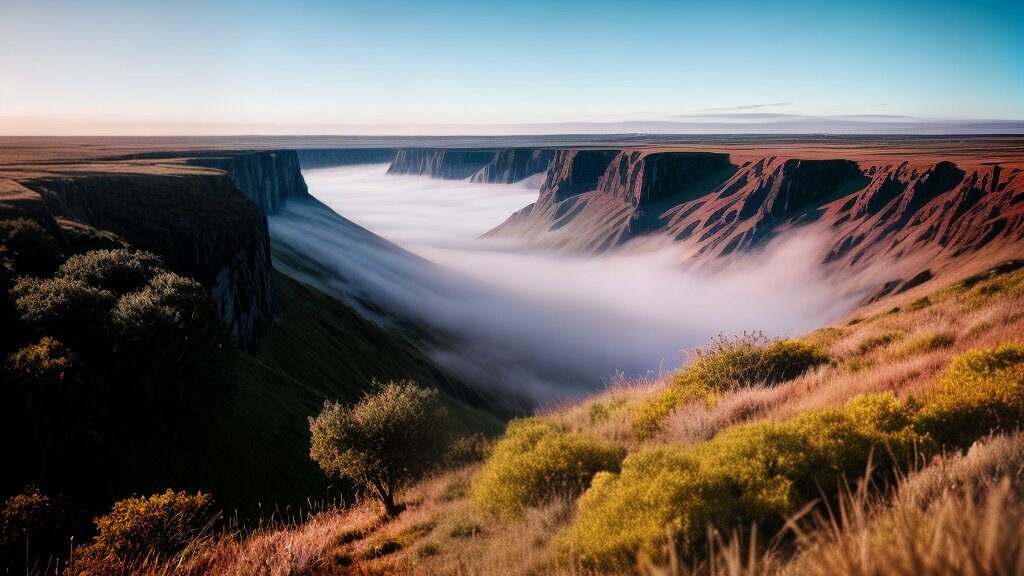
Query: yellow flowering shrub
x=982 y=390
x=750 y=474
x=537 y=460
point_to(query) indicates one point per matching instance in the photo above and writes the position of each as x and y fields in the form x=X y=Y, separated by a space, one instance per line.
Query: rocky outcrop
x=330 y=157
x=511 y=165
x=200 y=224
x=444 y=163
x=874 y=212
x=268 y=178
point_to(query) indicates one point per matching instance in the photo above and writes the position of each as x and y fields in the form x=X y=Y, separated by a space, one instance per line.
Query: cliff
x=445 y=163
x=511 y=165
x=268 y=178
x=199 y=224
x=492 y=165
x=330 y=157
x=873 y=210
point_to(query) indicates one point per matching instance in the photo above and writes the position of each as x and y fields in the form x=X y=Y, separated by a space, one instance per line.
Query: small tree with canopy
x=393 y=436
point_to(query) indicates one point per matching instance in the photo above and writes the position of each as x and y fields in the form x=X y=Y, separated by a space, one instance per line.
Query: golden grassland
x=957 y=512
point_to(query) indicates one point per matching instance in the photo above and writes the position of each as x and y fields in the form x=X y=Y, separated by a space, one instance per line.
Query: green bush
x=119 y=271
x=727 y=364
x=69 y=310
x=749 y=360
x=651 y=415
x=537 y=460
x=755 y=473
x=391 y=437
x=29 y=249
x=161 y=526
x=169 y=350
x=983 y=390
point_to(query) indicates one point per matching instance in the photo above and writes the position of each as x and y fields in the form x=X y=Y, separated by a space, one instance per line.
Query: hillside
x=903 y=351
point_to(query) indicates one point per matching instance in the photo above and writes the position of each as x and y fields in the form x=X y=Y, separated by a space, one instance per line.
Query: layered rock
x=490 y=165
x=511 y=165
x=444 y=163
x=931 y=212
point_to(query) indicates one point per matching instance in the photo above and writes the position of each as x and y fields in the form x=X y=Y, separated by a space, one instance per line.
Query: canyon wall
x=200 y=225
x=331 y=157
x=491 y=165
x=872 y=211
x=268 y=178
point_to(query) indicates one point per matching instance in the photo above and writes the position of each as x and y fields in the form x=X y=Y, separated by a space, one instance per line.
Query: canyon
x=891 y=219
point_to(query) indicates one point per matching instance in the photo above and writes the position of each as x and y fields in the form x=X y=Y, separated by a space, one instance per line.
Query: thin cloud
x=742 y=107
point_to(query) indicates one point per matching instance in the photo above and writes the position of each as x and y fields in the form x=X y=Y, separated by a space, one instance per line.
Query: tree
x=391 y=437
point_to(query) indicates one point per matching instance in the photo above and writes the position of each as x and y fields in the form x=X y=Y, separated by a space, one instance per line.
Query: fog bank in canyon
x=532 y=324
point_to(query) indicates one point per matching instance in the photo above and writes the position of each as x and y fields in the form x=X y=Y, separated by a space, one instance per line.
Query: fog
x=529 y=324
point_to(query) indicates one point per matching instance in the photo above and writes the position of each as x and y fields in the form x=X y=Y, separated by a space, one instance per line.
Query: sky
x=452 y=66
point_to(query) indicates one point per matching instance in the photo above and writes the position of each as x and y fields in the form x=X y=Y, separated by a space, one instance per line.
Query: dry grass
x=957 y=515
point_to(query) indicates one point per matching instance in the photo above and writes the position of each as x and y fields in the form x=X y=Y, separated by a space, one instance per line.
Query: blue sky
x=190 y=66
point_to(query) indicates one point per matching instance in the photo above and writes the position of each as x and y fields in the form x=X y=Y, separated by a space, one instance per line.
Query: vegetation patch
x=387 y=440
x=727 y=364
x=982 y=390
x=923 y=343
x=754 y=473
x=537 y=460
x=876 y=341
x=161 y=526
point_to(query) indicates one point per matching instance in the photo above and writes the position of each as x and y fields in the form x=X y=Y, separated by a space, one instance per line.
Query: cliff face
x=448 y=164
x=329 y=157
x=199 y=224
x=268 y=178
x=496 y=166
x=510 y=165
x=874 y=212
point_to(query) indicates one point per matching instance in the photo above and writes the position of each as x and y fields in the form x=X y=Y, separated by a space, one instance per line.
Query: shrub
x=754 y=473
x=30 y=250
x=467 y=449
x=160 y=526
x=170 y=351
x=33 y=527
x=119 y=271
x=537 y=460
x=877 y=341
x=727 y=364
x=46 y=382
x=391 y=437
x=70 y=310
x=981 y=391
x=748 y=360
x=926 y=342
x=650 y=416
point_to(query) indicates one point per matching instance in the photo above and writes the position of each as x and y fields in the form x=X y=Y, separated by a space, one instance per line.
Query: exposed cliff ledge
x=875 y=212
x=492 y=165
x=445 y=163
x=268 y=178
x=200 y=224
x=511 y=165
x=329 y=157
